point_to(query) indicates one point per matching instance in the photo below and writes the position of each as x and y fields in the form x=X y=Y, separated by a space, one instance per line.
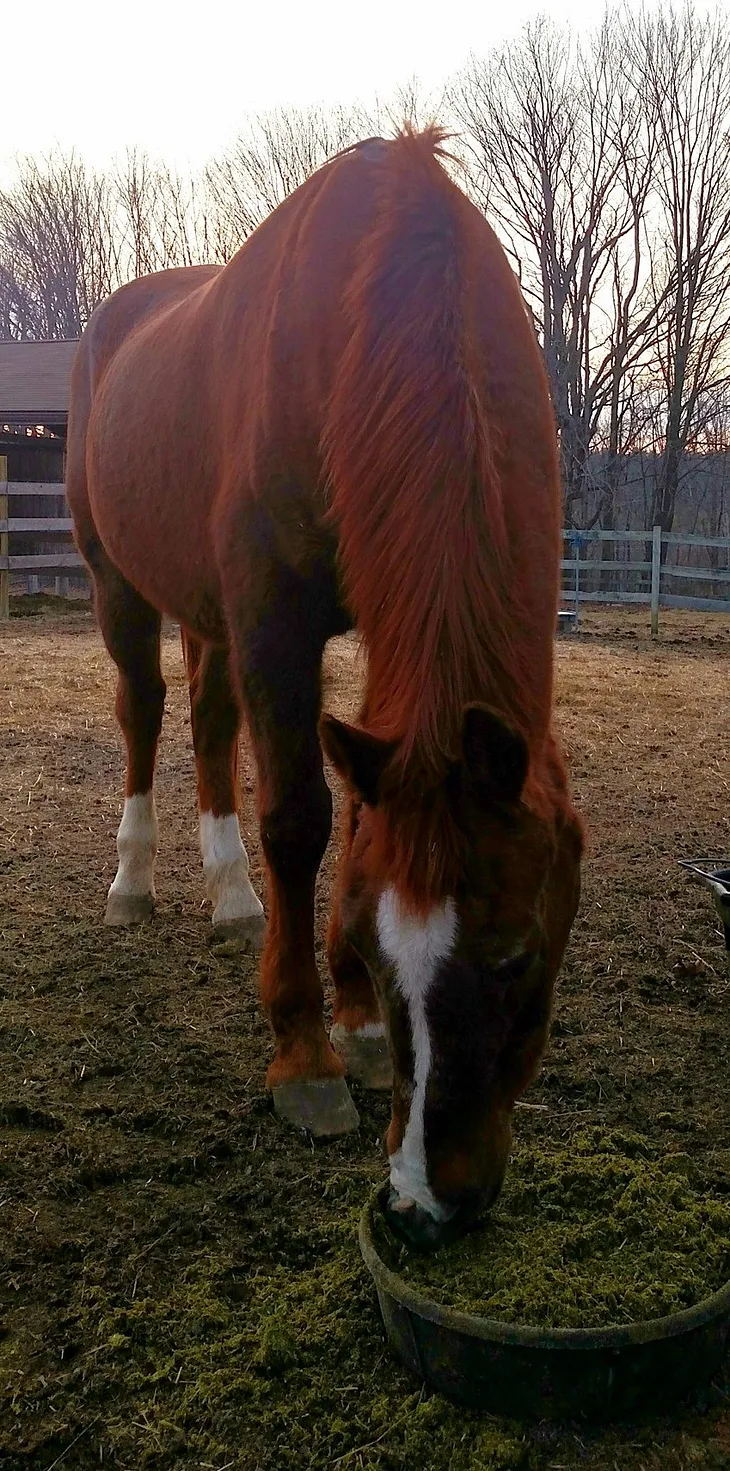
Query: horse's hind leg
x=131 y=631
x=216 y=719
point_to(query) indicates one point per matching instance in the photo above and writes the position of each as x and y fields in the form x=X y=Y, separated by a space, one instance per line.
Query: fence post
x=4 y=541
x=574 y=539
x=656 y=572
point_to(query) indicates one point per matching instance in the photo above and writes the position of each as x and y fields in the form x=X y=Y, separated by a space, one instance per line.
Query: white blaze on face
x=225 y=865
x=416 y=947
x=137 y=848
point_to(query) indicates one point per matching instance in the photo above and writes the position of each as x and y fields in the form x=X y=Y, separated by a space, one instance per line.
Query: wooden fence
x=62 y=561
x=585 y=575
x=655 y=573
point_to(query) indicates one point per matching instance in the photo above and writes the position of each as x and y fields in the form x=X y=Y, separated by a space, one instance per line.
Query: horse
x=349 y=426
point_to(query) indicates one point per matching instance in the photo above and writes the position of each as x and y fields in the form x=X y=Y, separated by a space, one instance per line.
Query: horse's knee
x=294 y=836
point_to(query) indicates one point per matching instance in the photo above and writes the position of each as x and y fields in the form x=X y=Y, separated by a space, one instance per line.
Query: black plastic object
x=717 y=880
x=705 y=870
x=549 y=1374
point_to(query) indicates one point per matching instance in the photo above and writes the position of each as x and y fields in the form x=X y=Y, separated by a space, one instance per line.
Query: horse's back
x=207 y=393
x=188 y=402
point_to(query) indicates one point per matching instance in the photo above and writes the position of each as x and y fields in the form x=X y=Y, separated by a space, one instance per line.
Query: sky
x=179 y=78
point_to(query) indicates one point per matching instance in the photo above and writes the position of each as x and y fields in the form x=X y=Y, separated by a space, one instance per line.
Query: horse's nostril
x=417 y=1228
x=412 y=1224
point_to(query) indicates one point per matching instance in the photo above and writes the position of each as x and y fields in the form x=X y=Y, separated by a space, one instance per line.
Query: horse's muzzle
x=419 y=1229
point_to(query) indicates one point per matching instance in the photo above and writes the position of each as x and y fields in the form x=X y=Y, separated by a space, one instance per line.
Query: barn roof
x=34 y=381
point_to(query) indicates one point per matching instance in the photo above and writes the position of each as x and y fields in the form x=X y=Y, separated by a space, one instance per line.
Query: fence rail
x=578 y=568
x=62 y=562
x=659 y=571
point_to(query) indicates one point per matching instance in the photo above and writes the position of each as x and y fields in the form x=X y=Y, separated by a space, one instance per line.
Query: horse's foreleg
x=131 y=630
x=215 y=717
x=358 y=1033
x=279 y=663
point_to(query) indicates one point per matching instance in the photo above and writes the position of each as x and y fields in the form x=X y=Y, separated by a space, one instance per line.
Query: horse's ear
x=495 y=758
x=359 y=757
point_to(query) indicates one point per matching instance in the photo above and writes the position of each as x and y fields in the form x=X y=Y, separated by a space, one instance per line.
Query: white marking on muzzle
x=137 y=848
x=225 y=866
x=416 y=947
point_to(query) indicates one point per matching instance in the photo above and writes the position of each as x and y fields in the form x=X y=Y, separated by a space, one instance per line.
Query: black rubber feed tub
x=549 y=1374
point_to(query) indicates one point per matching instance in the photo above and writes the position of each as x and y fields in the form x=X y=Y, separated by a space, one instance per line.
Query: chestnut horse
x=350 y=426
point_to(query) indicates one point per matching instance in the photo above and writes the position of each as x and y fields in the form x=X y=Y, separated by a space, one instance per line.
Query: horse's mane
x=412 y=457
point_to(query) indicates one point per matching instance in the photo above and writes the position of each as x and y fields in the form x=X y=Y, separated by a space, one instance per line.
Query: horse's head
x=459 y=894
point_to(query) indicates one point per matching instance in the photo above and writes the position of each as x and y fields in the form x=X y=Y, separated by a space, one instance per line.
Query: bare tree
x=277 y=151
x=628 y=310
x=544 y=121
x=684 y=62
x=409 y=104
x=272 y=156
x=18 y=311
x=59 y=243
x=163 y=218
x=69 y=236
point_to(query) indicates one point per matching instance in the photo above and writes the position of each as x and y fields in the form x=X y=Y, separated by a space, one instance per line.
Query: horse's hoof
x=241 y=934
x=365 y=1054
x=128 y=908
x=324 y=1108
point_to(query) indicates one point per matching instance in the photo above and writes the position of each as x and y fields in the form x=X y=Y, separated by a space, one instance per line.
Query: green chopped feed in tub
x=603 y=1230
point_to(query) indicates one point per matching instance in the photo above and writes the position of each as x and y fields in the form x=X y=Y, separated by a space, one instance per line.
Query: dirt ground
x=162 y=1237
